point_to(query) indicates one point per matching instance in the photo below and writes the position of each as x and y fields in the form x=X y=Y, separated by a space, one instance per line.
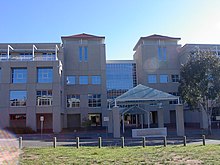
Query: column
x=180 y=120
x=64 y=120
x=31 y=118
x=204 y=120
x=160 y=118
x=116 y=122
x=110 y=122
x=56 y=120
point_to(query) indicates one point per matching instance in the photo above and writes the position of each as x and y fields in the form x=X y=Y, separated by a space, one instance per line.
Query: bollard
x=203 y=140
x=143 y=142
x=20 y=142
x=122 y=142
x=54 y=142
x=165 y=141
x=184 y=140
x=77 y=142
x=100 y=142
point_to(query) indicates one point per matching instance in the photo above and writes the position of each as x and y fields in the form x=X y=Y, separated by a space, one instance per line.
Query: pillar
x=31 y=118
x=56 y=120
x=180 y=120
x=64 y=120
x=116 y=122
x=160 y=118
x=204 y=120
x=110 y=122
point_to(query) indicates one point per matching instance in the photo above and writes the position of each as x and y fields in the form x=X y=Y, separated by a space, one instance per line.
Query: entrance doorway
x=95 y=119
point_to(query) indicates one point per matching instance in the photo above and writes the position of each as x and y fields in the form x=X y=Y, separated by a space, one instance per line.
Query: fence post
x=203 y=140
x=54 y=142
x=122 y=142
x=20 y=142
x=165 y=141
x=77 y=142
x=184 y=140
x=143 y=142
x=100 y=142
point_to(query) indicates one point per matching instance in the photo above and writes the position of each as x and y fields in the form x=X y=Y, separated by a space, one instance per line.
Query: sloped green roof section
x=144 y=93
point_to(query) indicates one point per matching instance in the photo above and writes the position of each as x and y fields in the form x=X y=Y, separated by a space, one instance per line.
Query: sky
x=122 y=22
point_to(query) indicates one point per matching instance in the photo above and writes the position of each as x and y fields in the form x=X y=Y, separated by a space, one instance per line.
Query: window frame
x=18 y=102
x=18 y=76
x=150 y=76
x=44 y=77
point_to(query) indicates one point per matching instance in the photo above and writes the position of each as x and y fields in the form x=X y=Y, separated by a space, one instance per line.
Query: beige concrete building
x=67 y=83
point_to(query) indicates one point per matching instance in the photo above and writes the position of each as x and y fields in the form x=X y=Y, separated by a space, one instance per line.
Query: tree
x=200 y=82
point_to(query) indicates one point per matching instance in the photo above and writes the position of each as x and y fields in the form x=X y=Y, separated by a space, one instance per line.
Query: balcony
x=28 y=57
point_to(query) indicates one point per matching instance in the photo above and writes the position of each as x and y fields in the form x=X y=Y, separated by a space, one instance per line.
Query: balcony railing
x=29 y=58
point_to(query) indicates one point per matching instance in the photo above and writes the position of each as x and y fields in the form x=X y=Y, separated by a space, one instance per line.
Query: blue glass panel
x=80 y=54
x=19 y=75
x=96 y=80
x=45 y=75
x=83 y=79
x=152 y=78
x=86 y=54
x=71 y=80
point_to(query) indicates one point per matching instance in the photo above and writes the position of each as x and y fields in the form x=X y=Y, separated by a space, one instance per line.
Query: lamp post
x=34 y=48
x=9 y=47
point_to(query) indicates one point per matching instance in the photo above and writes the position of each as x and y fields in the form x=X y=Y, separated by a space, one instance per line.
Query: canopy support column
x=180 y=120
x=116 y=122
x=160 y=118
x=123 y=123
x=148 y=119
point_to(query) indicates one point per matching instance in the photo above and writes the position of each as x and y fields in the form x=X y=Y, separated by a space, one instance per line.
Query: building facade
x=70 y=84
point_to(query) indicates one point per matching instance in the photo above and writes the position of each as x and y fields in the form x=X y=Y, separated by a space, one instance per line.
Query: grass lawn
x=191 y=154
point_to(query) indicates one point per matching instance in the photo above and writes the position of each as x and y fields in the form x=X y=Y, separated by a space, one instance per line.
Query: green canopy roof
x=144 y=93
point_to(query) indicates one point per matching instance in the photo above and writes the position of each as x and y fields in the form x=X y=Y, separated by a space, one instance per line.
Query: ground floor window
x=18 y=120
x=95 y=119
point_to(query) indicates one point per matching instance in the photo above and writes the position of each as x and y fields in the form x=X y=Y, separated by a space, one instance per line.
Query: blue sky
x=122 y=22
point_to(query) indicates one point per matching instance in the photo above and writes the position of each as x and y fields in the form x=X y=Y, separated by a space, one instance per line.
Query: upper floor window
x=174 y=101
x=162 y=53
x=152 y=78
x=19 y=75
x=175 y=78
x=94 y=100
x=96 y=80
x=73 y=100
x=18 y=98
x=70 y=80
x=163 y=78
x=83 y=79
x=44 y=75
x=83 y=53
x=49 y=56
x=44 y=98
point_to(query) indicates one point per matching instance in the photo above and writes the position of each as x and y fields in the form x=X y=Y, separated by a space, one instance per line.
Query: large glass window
x=96 y=79
x=44 y=97
x=73 y=100
x=152 y=78
x=175 y=78
x=162 y=55
x=83 y=79
x=94 y=100
x=83 y=52
x=45 y=75
x=19 y=75
x=70 y=80
x=18 y=98
x=163 y=78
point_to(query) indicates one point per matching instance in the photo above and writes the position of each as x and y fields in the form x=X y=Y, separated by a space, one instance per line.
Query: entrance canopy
x=142 y=93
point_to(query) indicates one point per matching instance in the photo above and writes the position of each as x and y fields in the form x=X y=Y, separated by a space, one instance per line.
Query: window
x=162 y=56
x=50 y=56
x=19 y=75
x=163 y=78
x=44 y=97
x=83 y=50
x=175 y=78
x=94 y=100
x=83 y=79
x=152 y=78
x=44 y=75
x=86 y=54
x=18 y=98
x=96 y=80
x=174 y=101
x=73 y=100
x=80 y=54
x=18 y=117
x=70 y=80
